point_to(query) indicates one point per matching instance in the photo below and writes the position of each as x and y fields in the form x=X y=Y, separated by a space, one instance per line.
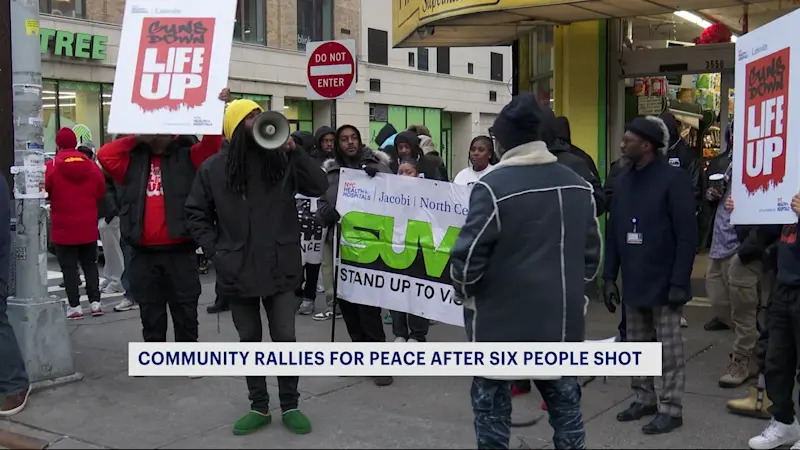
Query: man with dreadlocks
x=364 y=323
x=242 y=212
x=154 y=174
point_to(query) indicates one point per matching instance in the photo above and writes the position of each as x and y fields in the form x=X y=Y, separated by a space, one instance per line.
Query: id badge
x=635 y=238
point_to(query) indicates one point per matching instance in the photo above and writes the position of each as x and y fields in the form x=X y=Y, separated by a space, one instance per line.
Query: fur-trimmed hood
x=364 y=155
x=531 y=154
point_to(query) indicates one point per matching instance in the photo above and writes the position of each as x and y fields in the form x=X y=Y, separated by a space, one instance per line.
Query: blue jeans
x=491 y=404
x=13 y=376
x=127 y=255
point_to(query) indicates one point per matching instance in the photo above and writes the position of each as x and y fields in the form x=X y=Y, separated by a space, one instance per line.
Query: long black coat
x=661 y=200
x=253 y=239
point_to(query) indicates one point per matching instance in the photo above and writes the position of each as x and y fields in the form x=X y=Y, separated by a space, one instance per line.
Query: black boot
x=636 y=411
x=662 y=423
x=219 y=306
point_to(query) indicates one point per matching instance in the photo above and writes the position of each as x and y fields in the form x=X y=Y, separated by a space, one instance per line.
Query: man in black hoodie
x=562 y=151
x=364 y=323
x=324 y=139
x=564 y=135
x=680 y=155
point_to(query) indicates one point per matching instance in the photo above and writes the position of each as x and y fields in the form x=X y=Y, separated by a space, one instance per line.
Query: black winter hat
x=518 y=122
x=652 y=129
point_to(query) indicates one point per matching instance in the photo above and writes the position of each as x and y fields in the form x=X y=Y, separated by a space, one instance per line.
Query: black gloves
x=611 y=295
x=678 y=296
x=371 y=170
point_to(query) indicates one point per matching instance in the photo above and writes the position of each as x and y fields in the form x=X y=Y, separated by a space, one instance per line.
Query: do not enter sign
x=331 y=69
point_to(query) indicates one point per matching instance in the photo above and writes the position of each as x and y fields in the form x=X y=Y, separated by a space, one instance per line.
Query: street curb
x=21 y=442
x=55 y=382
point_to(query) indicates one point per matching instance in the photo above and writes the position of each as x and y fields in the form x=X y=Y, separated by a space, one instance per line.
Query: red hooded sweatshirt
x=74 y=184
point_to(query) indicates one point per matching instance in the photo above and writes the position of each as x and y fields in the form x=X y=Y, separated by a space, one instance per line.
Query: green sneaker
x=251 y=422
x=296 y=422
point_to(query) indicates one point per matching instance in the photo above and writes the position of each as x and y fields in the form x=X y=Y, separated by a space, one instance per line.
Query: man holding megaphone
x=241 y=211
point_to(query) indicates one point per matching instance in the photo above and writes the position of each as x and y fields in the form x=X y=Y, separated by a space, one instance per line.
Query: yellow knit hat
x=235 y=112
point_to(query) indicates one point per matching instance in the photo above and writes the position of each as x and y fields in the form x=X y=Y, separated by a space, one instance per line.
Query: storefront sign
x=73 y=45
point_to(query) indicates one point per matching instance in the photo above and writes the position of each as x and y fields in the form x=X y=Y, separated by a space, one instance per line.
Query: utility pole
x=39 y=321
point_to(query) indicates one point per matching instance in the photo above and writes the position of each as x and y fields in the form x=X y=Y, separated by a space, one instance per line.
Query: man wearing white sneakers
x=783 y=321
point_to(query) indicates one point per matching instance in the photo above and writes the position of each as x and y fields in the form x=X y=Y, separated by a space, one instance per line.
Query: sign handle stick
x=333 y=114
x=335 y=302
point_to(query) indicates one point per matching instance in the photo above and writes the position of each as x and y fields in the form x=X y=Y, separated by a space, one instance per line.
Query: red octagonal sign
x=331 y=70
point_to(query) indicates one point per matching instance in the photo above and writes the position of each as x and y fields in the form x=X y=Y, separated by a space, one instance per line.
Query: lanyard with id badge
x=634 y=237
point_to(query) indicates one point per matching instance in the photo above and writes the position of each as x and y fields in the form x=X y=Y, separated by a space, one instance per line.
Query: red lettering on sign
x=173 y=63
x=766 y=102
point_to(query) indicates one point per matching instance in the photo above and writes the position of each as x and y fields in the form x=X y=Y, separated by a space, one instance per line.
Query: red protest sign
x=766 y=121
x=172 y=66
x=331 y=70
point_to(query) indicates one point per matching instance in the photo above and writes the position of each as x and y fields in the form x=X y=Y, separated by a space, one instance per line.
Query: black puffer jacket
x=326 y=205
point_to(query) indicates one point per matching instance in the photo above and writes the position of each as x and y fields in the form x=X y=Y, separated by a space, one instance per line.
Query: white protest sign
x=396 y=237
x=173 y=62
x=312 y=233
x=766 y=167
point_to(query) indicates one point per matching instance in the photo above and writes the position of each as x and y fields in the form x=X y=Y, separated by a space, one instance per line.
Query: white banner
x=396 y=237
x=173 y=63
x=766 y=167
x=312 y=233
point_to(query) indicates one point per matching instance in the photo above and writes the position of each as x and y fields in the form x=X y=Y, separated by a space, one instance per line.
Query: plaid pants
x=663 y=324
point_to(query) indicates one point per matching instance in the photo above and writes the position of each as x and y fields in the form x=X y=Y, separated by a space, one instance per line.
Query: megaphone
x=270 y=130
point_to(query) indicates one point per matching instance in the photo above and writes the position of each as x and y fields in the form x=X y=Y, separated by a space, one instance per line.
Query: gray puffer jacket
x=529 y=243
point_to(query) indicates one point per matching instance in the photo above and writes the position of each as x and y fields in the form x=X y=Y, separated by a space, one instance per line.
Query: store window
x=49 y=115
x=68 y=8
x=300 y=114
x=250 y=23
x=83 y=107
x=264 y=101
x=542 y=55
x=314 y=22
x=401 y=117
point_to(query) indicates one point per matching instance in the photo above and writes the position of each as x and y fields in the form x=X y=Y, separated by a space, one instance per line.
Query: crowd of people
x=529 y=248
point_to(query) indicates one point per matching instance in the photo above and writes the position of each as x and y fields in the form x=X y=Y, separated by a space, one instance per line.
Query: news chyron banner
x=173 y=62
x=766 y=135
x=396 y=237
x=312 y=233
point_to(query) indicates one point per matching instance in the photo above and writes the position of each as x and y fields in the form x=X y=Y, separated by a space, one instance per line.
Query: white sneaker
x=684 y=323
x=796 y=446
x=74 y=313
x=112 y=288
x=775 y=435
x=320 y=289
x=412 y=340
x=125 y=305
x=97 y=309
x=104 y=283
x=399 y=339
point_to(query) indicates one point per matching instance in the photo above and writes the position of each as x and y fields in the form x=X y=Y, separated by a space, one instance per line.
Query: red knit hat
x=65 y=138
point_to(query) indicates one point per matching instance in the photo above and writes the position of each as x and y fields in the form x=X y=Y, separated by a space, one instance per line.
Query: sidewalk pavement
x=108 y=409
